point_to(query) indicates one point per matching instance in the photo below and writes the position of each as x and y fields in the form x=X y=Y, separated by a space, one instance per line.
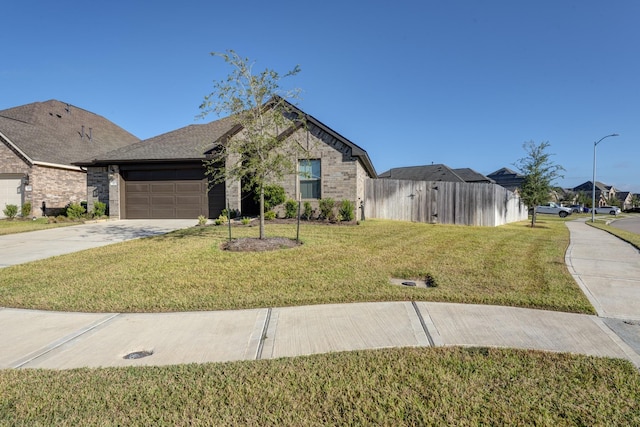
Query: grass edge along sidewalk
x=406 y=386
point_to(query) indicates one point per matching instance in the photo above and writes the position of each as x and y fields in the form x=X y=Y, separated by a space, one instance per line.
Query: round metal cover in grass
x=138 y=355
x=409 y=283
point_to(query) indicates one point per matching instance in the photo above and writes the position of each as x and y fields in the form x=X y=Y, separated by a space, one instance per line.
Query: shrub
x=308 y=211
x=233 y=213
x=291 y=209
x=10 y=211
x=270 y=215
x=202 y=220
x=347 y=209
x=75 y=211
x=222 y=219
x=245 y=220
x=99 y=209
x=326 y=208
x=26 y=209
x=60 y=218
x=274 y=195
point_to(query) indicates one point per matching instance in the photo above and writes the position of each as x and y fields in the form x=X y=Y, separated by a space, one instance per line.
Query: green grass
x=512 y=265
x=409 y=386
x=21 y=226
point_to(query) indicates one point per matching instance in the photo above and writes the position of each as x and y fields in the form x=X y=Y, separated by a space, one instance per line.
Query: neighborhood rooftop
x=59 y=133
x=437 y=172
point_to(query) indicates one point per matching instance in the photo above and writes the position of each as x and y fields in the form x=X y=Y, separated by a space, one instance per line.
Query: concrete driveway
x=20 y=248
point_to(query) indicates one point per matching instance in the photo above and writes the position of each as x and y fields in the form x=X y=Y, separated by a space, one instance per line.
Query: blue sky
x=464 y=83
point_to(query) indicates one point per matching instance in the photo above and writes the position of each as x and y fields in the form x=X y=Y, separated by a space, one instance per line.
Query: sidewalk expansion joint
x=424 y=325
x=263 y=335
x=56 y=344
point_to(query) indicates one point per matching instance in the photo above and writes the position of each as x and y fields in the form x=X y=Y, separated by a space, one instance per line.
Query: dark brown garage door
x=168 y=193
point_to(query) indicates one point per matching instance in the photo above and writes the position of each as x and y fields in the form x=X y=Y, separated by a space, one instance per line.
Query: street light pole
x=593 y=183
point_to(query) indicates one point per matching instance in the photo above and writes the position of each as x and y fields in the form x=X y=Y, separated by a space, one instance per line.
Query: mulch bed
x=249 y=244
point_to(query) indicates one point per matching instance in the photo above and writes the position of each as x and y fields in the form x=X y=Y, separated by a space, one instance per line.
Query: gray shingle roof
x=52 y=132
x=438 y=172
x=588 y=186
x=187 y=143
x=469 y=175
x=507 y=178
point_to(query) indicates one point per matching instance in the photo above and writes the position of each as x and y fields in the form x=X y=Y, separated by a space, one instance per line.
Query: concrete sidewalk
x=607 y=270
x=36 y=339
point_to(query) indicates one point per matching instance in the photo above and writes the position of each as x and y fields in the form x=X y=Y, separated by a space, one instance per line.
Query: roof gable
x=504 y=172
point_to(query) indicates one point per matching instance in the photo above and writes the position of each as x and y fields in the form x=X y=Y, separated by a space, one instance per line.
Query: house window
x=309 y=171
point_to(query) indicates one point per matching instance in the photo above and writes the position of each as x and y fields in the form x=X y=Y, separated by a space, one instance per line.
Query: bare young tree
x=539 y=173
x=261 y=148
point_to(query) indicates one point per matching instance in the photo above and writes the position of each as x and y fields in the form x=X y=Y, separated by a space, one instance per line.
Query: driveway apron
x=20 y=248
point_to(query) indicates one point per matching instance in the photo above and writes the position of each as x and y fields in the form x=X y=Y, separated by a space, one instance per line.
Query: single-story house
x=164 y=176
x=39 y=143
x=437 y=172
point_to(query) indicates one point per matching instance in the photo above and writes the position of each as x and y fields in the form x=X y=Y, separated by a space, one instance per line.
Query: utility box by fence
x=439 y=202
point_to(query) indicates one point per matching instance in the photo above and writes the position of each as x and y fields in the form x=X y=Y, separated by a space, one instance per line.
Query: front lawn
x=406 y=386
x=511 y=265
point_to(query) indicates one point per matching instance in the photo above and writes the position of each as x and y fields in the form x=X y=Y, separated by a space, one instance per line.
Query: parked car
x=576 y=208
x=611 y=210
x=553 y=209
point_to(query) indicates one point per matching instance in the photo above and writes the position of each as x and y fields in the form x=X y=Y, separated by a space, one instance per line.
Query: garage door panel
x=189 y=187
x=137 y=212
x=135 y=187
x=138 y=198
x=189 y=200
x=163 y=187
x=163 y=200
x=163 y=212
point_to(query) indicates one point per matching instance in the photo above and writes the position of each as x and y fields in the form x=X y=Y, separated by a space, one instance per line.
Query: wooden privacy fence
x=439 y=202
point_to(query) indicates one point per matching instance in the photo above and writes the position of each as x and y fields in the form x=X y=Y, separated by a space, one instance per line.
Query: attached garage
x=10 y=192
x=169 y=193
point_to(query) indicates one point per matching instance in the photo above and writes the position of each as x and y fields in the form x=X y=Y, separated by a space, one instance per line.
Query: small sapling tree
x=539 y=173
x=263 y=146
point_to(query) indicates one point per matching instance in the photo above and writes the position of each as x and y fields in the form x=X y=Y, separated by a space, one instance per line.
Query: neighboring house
x=164 y=176
x=438 y=172
x=507 y=178
x=603 y=192
x=625 y=199
x=39 y=143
